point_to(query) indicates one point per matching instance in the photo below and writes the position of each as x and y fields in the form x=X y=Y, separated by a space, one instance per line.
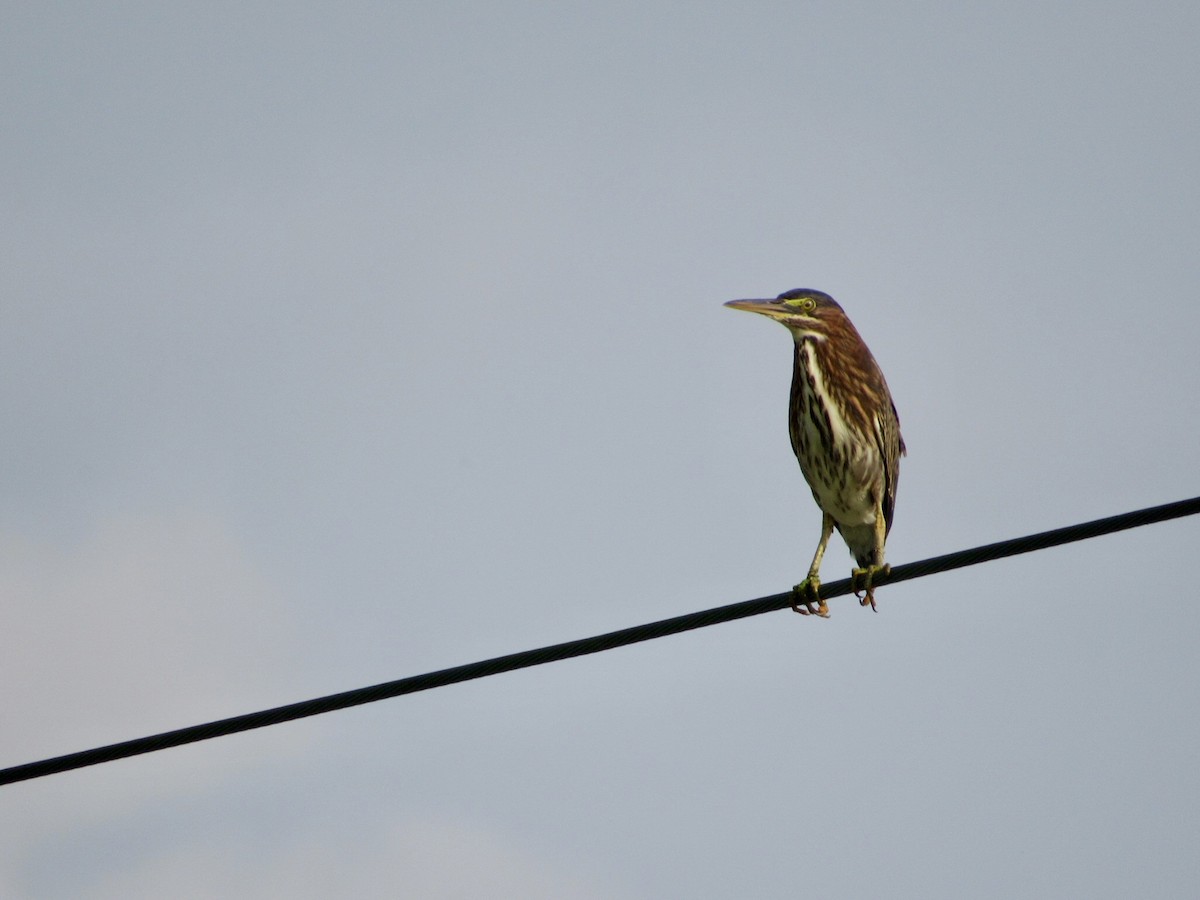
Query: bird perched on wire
x=845 y=433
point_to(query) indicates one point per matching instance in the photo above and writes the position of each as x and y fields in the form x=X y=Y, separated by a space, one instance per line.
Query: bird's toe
x=807 y=594
x=862 y=582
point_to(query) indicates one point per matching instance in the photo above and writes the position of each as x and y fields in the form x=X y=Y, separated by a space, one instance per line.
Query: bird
x=845 y=433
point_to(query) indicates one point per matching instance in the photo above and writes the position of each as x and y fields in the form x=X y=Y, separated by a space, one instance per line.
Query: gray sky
x=342 y=342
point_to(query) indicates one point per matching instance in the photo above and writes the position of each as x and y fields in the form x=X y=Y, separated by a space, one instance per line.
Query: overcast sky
x=343 y=342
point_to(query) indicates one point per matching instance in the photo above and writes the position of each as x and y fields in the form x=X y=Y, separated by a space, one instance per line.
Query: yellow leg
x=862 y=579
x=808 y=591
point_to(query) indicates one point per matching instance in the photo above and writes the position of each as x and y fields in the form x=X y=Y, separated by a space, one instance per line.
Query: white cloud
x=149 y=623
x=435 y=860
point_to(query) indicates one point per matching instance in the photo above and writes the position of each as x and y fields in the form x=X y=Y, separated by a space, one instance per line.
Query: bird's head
x=804 y=312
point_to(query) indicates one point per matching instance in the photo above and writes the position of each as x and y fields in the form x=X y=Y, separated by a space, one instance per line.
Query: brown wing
x=891 y=448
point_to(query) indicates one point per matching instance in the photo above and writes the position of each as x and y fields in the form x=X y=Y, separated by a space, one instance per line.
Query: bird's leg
x=807 y=592
x=861 y=579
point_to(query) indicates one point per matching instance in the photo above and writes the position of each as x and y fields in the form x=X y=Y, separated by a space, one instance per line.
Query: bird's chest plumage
x=839 y=461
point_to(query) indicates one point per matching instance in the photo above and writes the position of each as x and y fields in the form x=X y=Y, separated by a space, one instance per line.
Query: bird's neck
x=820 y=370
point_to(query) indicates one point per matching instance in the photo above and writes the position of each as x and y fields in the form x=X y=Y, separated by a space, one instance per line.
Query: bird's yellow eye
x=807 y=304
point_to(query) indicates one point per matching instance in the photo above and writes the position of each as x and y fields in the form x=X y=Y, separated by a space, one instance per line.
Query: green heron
x=845 y=433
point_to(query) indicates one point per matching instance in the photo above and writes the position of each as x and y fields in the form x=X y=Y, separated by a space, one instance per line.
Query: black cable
x=585 y=646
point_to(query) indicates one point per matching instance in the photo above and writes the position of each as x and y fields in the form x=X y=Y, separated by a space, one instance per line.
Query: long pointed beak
x=772 y=308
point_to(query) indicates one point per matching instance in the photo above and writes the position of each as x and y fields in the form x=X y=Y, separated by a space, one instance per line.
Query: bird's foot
x=863 y=580
x=808 y=596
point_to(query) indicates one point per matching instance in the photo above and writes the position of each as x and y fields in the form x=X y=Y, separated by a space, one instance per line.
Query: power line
x=585 y=646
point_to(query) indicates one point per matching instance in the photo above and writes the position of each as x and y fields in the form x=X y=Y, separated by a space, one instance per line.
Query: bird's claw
x=808 y=595
x=863 y=580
